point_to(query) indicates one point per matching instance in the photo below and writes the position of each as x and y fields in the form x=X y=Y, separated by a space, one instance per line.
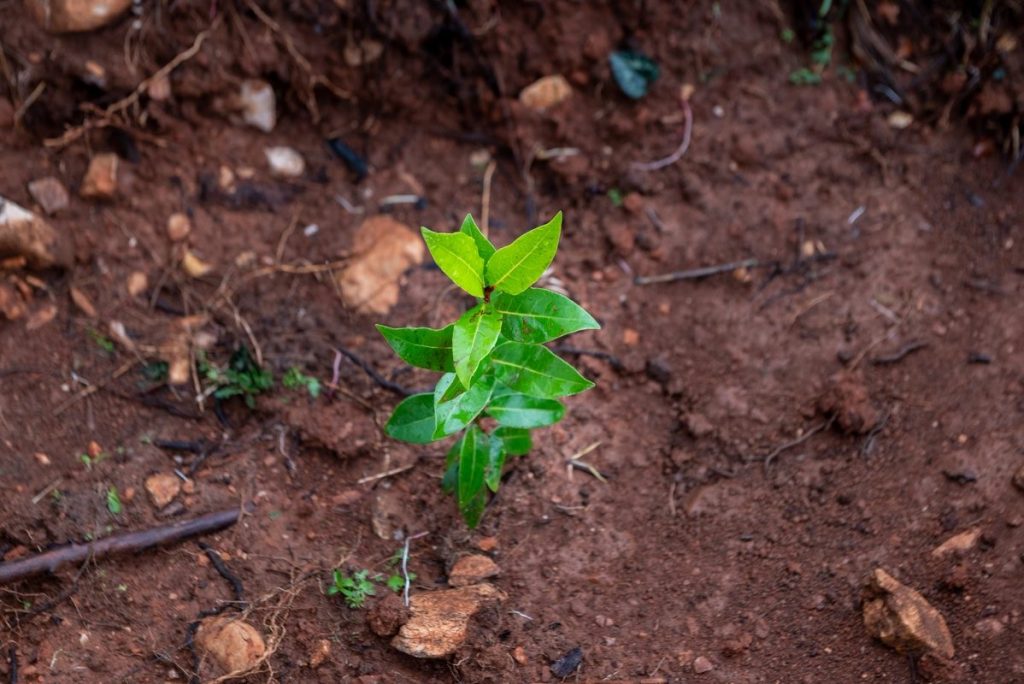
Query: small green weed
x=114 y=501
x=101 y=340
x=243 y=377
x=296 y=379
x=354 y=589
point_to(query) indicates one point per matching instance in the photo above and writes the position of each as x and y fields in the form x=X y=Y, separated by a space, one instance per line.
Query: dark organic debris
x=351 y=158
x=961 y=477
x=568 y=663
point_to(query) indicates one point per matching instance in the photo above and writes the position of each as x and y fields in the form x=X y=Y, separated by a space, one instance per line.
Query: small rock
x=900 y=120
x=12 y=304
x=100 y=180
x=568 y=663
x=545 y=92
x=321 y=651
x=439 y=620
x=41 y=458
x=137 y=283
x=1018 y=478
x=194 y=266
x=847 y=398
x=162 y=488
x=285 y=162
x=25 y=234
x=234 y=645
x=487 y=544
x=178 y=227
x=50 y=194
x=41 y=317
x=73 y=16
x=659 y=370
x=630 y=337
x=959 y=543
x=697 y=424
x=519 y=655
x=83 y=302
x=387 y=615
x=384 y=249
x=901 y=618
x=259 y=105
x=472 y=569
x=702 y=665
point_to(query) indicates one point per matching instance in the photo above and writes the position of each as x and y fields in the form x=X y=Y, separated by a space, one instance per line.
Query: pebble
x=100 y=180
x=137 y=283
x=900 y=617
x=234 y=645
x=472 y=569
x=519 y=655
x=568 y=663
x=285 y=162
x=630 y=337
x=25 y=234
x=385 y=249
x=439 y=620
x=41 y=458
x=702 y=665
x=178 y=227
x=194 y=266
x=74 y=16
x=958 y=544
x=162 y=488
x=321 y=651
x=487 y=544
x=50 y=194
x=259 y=105
x=545 y=92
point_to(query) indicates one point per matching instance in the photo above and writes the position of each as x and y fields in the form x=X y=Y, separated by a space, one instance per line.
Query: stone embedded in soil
x=285 y=162
x=568 y=663
x=137 y=283
x=234 y=645
x=320 y=652
x=439 y=621
x=12 y=304
x=384 y=249
x=162 y=488
x=846 y=397
x=545 y=92
x=387 y=615
x=472 y=569
x=958 y=543
x=50 y=194
x=73 y=16
x=100 y=180
x=25 y=234
x=702 y=665
x=901 y=618
x=258 y=104
x=178 y=227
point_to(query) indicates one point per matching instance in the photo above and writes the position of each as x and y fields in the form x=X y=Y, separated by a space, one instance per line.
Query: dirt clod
x=568 y=663
x=846 y=397
x=234 y=645
x=50 y=194
x=24 y=234
x=320 y=652
x=545 y=92
x=178 y=227
x=162 y=488
x=901 y=618
x=439 y=621
x=100 y=182
x=702 y=665
x=387 y=615
x=472 y=569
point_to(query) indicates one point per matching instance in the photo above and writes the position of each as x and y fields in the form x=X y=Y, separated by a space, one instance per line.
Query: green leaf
x=536 y=370
x=450 y=480
x=540 y=315
x=483 y=245
x=113 y=501
x=452 y=415
x=522 y=411
x=495 y=462
x=515 y=267
x=422 y=347
x=517 y=440
x=474 y=455
x=456 y=254
x=475 y=335
x=413 y=419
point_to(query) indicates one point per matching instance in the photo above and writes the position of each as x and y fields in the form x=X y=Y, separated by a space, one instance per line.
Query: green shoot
x=295 y=379
x=243 y=377
x=355 y=589
x=114 y=501
x=493 y=359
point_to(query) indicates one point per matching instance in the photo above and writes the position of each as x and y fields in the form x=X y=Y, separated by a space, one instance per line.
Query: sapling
x=499 y=380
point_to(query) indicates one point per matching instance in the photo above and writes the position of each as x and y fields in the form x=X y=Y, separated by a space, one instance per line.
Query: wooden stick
x=51 y=561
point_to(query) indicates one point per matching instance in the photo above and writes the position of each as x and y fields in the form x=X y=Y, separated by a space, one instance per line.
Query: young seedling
x=493 y=358
x=355 y=589
x=242 y=378
x=296 y=379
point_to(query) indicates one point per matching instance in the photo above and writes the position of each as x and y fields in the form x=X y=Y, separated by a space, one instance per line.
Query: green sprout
x=101 y=340
x=355 y=589
x=243 y=377
x=114 y=501
x=493 y=358
x=296 y=379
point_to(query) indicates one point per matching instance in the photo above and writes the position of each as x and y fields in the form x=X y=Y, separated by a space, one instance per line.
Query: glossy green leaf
x=474 y=455
x=450 y=480
x=451 y=415
x=536 y=370
x=495 y=462
x=475 y=335
x=515 y=267
x=483 y=245
x=413 y=419
x=538 y=315
x=522 y=411
x=456 y=254
x=422 y=347
x=517 y=440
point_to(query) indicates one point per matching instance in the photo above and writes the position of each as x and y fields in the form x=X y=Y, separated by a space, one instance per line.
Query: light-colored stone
x=137 y=283
x=958 y=543
x=472 y=569
x=545 y=92
x=50 y=194
x=100 y=180
x=439 y=621
x=901 y=618
x=384 y=249
x=258 y=104
x=702 y=665
x=234 y=645
x=320 y=652
x=72 y=16
x=194 y=266
x=285 y=162
x=25 y=234
x=178 y=227
x=162 y=488
x=12 y=303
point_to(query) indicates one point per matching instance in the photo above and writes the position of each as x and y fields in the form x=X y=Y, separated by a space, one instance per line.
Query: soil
x=768 y=437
